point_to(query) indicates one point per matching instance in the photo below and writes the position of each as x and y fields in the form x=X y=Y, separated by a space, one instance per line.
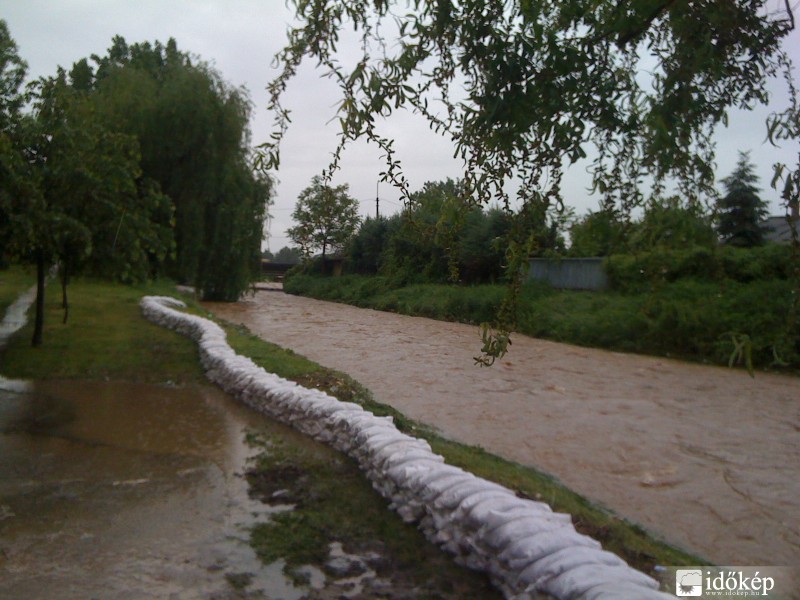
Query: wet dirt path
x=705 y=457
x=130 y=491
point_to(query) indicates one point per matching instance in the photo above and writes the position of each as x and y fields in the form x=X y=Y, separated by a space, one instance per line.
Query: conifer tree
x=741 y=210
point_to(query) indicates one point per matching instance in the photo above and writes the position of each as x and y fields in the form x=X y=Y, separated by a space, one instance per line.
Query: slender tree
x=12 y=76
x=327 y=217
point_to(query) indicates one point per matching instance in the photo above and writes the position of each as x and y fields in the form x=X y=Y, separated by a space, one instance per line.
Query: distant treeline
x=434 y=240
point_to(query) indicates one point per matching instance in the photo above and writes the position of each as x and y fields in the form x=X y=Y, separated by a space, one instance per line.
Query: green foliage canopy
x=287 y=255
x=68 y=184
x=527 y=85
x=327 y=217
x=12 y=76
x=192 y=128
x=669 y=223
x=435 y=240
x=599 y=233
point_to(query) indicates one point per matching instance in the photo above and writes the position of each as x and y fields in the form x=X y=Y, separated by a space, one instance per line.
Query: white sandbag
x=433 y=489
x=537 y=574
x=577 y=582
x=417 y=481
x=487 y=497
x=493 y=514
x=455 y=495
x=624 y=589
x=407 y=455
x=527 y=550
x=377 y=437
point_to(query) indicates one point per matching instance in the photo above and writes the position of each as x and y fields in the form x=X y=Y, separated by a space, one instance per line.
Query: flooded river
x=118 y=490
x=706 y=457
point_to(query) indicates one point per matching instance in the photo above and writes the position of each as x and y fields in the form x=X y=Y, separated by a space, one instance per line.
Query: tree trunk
x=64 y=284
x=38 y=327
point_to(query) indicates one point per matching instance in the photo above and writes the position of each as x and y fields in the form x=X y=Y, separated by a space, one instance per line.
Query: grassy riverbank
x=106 y=338
x=13 y=282
x=686 y=318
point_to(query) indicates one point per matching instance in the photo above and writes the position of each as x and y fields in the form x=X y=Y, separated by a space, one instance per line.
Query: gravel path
x=705 y=457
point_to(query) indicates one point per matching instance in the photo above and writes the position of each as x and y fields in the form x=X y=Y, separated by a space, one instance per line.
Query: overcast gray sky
x=240 y=37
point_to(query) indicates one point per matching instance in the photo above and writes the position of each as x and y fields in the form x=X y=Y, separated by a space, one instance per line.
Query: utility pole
x=377 y=201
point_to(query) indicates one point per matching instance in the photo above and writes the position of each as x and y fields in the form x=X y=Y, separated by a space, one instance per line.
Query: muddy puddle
x=707 y=458
x=117 y=490
x=132 y=491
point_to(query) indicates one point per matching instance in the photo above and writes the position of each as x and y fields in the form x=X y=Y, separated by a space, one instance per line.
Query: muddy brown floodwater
x=129 y=491
x=705 y=457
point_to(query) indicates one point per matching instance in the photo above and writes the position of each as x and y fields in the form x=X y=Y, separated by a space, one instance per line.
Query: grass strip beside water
x=13 y=281
x=107 y=338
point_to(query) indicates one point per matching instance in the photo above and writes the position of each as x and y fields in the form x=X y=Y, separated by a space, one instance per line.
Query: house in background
x=778 y=230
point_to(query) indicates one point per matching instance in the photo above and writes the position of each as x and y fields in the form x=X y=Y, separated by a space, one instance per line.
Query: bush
x=636 y=273
x=366 y=251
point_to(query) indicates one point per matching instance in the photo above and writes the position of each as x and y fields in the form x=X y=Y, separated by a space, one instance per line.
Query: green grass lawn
x=104 y=338
x=13 y=282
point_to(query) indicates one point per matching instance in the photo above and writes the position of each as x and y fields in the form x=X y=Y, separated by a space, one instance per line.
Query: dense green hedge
x=686 y=318
x=638 y=272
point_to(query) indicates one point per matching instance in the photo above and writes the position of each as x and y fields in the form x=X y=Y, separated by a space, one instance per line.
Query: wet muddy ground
x=125 y=491
x=131 y=491
x=705 y=457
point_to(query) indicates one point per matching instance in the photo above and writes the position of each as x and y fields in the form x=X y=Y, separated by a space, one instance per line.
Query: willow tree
x=192 y=128
x=526 y=88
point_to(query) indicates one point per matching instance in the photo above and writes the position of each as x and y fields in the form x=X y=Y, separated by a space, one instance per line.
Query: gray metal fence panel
x=570 y=273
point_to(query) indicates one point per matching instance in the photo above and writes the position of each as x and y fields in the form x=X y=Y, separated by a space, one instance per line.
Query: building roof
x=779 y=230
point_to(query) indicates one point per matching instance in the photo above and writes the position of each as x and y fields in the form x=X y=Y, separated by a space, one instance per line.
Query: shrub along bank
x=661 y=304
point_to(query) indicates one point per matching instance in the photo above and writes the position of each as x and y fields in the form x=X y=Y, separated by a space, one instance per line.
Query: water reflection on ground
x=127 y=491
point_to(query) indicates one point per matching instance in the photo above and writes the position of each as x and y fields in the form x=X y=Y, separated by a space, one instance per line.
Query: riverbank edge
x=692 y=321
x=521 y=544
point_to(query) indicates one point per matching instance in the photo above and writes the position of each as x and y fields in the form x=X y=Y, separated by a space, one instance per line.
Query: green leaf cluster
x=436 y=239
x=641 y=271
x=666 y=223
x=132 y=165
x=525 y=88
x=193 y=131
x=326 y=218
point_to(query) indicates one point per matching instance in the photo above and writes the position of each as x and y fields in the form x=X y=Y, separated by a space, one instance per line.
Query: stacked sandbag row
x=525 y=547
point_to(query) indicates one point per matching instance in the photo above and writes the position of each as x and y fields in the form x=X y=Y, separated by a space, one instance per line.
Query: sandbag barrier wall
x=525 y=547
